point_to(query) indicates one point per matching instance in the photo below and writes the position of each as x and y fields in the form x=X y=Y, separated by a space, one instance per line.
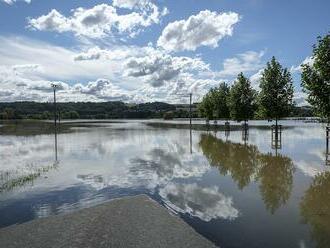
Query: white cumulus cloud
x=97 y=22
x=157 y=68
x=129 y=73
x=300 y=98
x=307 y=61
x=13 y=1
x=244 y=62
x=255 y=79
x=206 y=28
x=129 y=4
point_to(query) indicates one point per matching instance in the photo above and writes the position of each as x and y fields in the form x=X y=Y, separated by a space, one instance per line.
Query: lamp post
x=54 y=86
x=190 y=105
x=190 y=114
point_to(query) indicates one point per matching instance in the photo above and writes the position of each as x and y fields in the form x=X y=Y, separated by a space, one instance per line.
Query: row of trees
x=12 y=114
x=241 y=102
x=9 y=114
x=86 y=110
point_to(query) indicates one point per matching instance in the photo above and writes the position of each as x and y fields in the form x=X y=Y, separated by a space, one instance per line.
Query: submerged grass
x=8 y=183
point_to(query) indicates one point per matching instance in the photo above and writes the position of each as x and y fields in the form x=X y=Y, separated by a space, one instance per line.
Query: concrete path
x=128 y=222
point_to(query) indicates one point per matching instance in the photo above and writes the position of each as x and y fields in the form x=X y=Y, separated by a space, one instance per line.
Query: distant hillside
x=107 y=110
x=84 y=110
x=303 y=111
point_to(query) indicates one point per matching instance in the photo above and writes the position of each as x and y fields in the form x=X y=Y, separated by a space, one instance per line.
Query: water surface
x=236 y=191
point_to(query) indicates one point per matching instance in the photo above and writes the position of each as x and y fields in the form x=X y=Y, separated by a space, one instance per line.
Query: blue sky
x=149 y=50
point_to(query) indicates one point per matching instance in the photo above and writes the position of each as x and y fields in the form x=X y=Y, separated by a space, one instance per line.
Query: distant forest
x=107 y=110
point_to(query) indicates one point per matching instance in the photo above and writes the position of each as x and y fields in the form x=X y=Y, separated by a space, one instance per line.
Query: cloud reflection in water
x=206 y=203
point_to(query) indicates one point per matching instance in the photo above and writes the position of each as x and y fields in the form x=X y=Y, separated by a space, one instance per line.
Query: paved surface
x=128 y=222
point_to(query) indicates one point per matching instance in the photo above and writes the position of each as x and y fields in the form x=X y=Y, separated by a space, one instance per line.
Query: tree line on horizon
x=240 y=102
x=107 y=110
x=87 y=110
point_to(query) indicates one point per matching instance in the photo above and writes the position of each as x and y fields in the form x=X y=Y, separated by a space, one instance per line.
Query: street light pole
x=190 y=96
x=54 y=86
x=190 y=105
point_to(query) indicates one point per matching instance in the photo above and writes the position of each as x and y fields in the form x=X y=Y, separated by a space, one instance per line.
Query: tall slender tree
x=276 y=94
x=206 y=107
x=316 y=78
x=220 y=98
x=242 y=99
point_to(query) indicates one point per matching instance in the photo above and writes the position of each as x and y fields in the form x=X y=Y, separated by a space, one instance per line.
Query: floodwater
x=236 y=190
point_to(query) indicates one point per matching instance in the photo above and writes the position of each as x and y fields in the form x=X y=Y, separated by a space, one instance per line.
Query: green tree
x=276 y=94
x=168 y=115
x=74 y=115
x=46 y=115
x=206 y=107
x=3 y=116
x=10 y=113
x=220 y=98
x=242 y=99
x=70 y=115
x=316 y=78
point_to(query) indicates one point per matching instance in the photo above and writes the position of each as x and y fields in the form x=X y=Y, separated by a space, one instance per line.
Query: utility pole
x=54 y=86
x=55 y=136
x=190 y=106
x=190 y=114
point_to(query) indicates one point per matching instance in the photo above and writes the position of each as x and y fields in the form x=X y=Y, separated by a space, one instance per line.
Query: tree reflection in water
x=238 y=160
x=245 y=163
x=315 y=209
x=275 y=175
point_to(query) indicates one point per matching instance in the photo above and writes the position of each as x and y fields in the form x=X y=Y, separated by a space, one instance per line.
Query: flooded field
x=236 y=190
